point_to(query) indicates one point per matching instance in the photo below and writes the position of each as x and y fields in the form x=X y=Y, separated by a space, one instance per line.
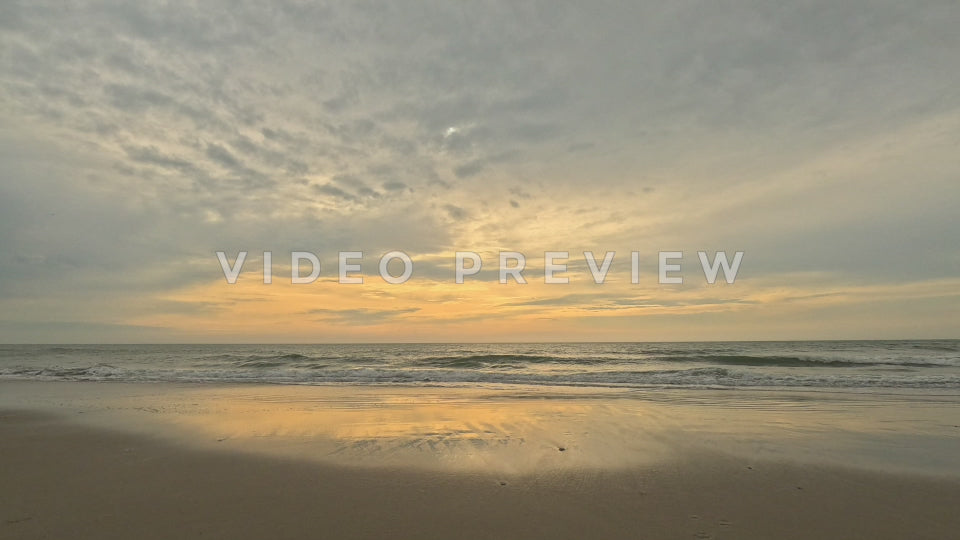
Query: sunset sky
x=137 y=139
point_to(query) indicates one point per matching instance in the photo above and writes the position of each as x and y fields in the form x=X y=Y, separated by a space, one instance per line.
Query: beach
x=479 y=270
x=160 y=460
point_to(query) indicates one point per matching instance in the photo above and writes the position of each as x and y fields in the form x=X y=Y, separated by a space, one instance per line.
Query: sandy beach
x=94 y=460
x=479 y=270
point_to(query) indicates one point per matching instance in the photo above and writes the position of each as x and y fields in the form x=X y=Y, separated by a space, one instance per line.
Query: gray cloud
x=455 y=212
x=152 y=156
x=360 y=317
x=147 y=135
x=222 y=156
x=394 y=186
x=468 y=169
x=328 y=189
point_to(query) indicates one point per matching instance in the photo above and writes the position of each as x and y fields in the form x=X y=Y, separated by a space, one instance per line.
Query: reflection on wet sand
x=518 y=430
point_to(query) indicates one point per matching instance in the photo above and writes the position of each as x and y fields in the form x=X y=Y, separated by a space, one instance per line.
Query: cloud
x=334 y=191
x=394 y=186
x=468 y=169
x=361 y=317
x=151 y=155
x=455 y=212
x=222 y=156
x=140 y=137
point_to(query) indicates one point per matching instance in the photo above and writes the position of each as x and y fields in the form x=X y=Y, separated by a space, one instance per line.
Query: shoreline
x=517 y=429
x=153 y=460
x=62 y=478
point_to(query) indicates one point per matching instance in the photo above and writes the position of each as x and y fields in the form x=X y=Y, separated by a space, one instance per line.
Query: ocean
x=915 y=364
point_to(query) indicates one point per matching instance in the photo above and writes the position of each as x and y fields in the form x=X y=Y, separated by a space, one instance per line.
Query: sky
x=137 y=139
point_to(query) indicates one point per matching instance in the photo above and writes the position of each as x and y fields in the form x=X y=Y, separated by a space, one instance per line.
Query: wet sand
x=72 y=468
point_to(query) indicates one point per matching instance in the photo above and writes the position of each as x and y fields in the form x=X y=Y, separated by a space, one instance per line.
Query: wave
x=506 y=360
x=829 y=364
x=693 y=377
x=274 y=360
x=937 y=348
x=796 y=361
x=57 y=372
